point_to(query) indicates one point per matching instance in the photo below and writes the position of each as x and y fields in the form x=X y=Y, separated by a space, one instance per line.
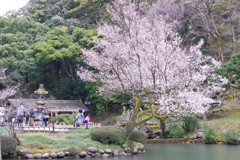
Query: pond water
x=183 y=152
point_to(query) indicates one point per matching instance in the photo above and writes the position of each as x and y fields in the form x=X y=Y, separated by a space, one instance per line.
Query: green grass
x=4 y=131
x=46 y=142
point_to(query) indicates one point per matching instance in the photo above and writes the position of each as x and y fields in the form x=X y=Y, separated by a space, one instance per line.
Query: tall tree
x=217 y=22
x=140 y=56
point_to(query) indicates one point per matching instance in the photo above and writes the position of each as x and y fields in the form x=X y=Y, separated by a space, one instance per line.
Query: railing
x=55 y=128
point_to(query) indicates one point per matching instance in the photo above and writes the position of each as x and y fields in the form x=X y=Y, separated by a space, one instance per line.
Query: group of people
x=80 y=118
x=28 y=117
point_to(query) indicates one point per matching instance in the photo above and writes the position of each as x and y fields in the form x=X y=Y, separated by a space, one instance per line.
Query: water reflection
x=182 y=152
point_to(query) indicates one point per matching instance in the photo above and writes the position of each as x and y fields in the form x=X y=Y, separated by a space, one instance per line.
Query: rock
x=122 y=154
x=135 y=150
x=53 y=155
x=37 y=155
x=45 y=155
x=106 y=155
x=29 y=156
x=101 y=151
x=60 y=154
x=108 y=151
x=22 y=153
x=90 y=154
x=92 y=149
x=83 y=154
x=116 y=152
x=158 y=133
x=199 y=135
x=66 y=153
x=97 y=154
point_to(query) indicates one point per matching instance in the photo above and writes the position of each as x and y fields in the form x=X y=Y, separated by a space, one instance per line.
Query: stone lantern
x=41 y=99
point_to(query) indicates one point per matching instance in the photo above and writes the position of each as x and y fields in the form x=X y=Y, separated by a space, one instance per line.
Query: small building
x=55 y=107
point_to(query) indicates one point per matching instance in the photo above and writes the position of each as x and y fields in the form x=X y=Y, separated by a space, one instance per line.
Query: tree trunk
x=132 y=121
x=163 y=127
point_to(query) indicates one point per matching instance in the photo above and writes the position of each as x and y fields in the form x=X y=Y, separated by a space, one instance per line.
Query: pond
x=183 y=152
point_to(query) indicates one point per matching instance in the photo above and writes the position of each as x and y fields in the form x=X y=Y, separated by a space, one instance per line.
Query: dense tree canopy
x=43 y=41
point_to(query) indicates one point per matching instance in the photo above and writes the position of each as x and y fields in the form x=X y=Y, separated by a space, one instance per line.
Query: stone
x=108 y=151
x=60 y=154
x=97 y=154
x=24 y=152
x=45 y=155
x=106 y=155
x=116 y=152
x=37 y=155
x=53 y=155
x=101 y=151
x=29 y=156
x=199 y=135
x=122 y=154
x=135 y=150
x=92 y=149
x=67 y=153
x=83 y=154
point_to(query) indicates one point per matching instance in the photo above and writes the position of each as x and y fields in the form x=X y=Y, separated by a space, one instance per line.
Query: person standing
x=45 y=116
x=79 y=118
x=33 y=115
x=21 y=113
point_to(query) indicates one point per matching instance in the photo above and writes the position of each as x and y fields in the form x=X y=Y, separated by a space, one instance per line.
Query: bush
x=138 y=136
x=73 y=151
x=109 y=135
x=189 y=123
x=64 y=118
x=232 y=138
x=175 y=131
x=8 y=146
x=209 y=136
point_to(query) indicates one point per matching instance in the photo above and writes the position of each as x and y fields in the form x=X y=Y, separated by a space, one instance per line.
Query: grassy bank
x=42 y=142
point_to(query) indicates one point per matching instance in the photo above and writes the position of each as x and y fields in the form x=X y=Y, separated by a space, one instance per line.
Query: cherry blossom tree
x=140 y=55
x=9 y=90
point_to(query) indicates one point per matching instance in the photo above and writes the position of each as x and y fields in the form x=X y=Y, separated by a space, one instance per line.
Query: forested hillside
x=43 y=43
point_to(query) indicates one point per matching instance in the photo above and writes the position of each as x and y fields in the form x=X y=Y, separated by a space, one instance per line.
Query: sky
x=6 y=5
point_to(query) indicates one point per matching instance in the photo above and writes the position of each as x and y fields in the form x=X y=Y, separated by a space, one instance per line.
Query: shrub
x=232 y=138
x=73 y=151
x=8 y=146
x=64 y=118
x=189 y=123
x=209 y=136
x=138 y=136
x=175 y=131
x=109 y=135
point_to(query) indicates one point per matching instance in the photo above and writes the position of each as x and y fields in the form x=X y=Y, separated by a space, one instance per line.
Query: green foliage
x=73 y=151
x=231 y=70
x=138 y=136
x=64 y=118
x=189 y=123
x=109 y=135
x=209 y=136
x=232 y=137
x=8 y=146
x=175 y=131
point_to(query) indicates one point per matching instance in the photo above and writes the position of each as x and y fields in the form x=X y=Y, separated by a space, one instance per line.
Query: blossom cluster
x=143 y=51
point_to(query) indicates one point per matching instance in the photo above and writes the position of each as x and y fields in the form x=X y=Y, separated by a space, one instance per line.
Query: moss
x=41 y=91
